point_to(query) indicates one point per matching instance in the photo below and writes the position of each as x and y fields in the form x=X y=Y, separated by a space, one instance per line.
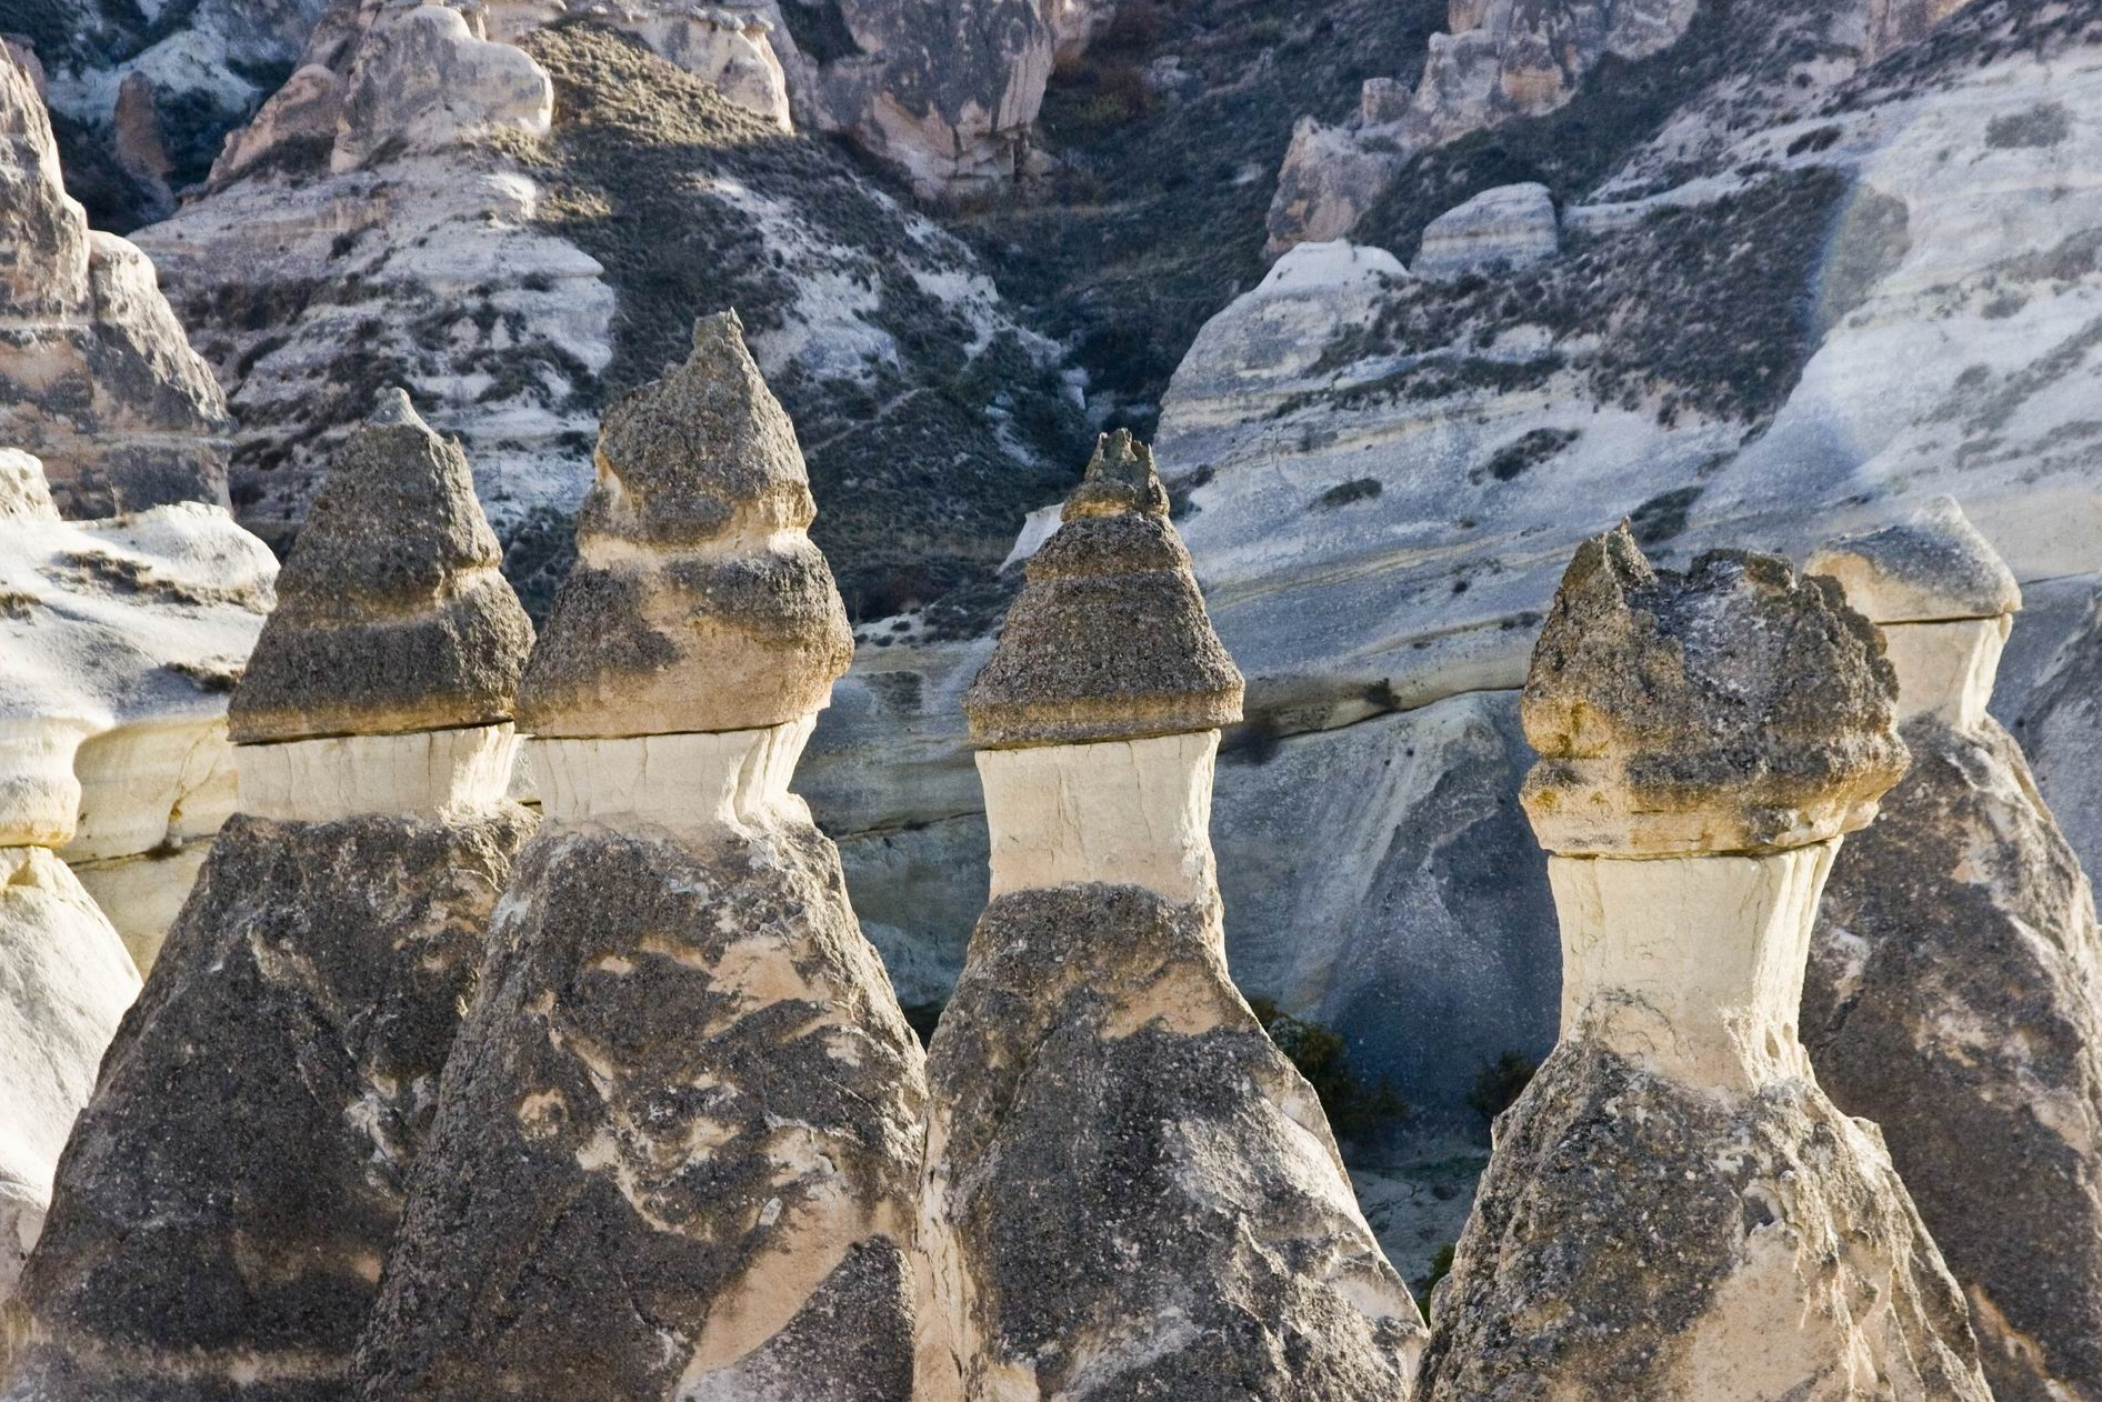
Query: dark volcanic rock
x=677 y=1145
x=1109 y=639
x=1637 y=1239
x=1953 y=999
x=392 y=615
x=1141 y=1194
x=223 y=1206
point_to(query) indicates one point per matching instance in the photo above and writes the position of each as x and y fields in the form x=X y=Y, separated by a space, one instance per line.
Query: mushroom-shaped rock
x=687 y=1082
x=1699 y=1219
x=1109 y=639
x=1961 y=908
x=219 y=1218
x=1735 y=708
x=1128 y=1185
x=392 y=613
x=697 y=603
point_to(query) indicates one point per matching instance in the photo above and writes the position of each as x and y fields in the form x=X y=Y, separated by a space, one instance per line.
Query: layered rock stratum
x=1130 y=1191
x=1955 y=986
x=677 y=1146
x=225 y=1200
x=96 y=377
x=1673 y=1208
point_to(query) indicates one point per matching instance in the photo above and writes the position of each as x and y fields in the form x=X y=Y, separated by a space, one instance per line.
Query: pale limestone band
x=1691 y=966
x=1122 y=812
x=39 y=795
x=1947 y=670
x=429 y=773
x=694 y=782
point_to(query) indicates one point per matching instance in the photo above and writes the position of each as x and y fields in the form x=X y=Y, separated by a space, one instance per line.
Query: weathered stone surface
x=1132 y=1192
x=119 y=641
x=1955 y=987
x=1329 y=179
x=1673 y=1207
x=1109 y=639
x=1929 y=569
x=96 y=377
x=730 y=49
x=1637 y=1238
x=65 y=980
x=1732 y=708
x=422 y=78
x=677 y=1143
x=225 y=1201
x=392 y=613
x=697 y=602
x=1510 y=227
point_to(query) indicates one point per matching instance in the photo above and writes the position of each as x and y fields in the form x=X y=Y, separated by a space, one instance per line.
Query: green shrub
x=1498 y=1085
x=1322 y=1056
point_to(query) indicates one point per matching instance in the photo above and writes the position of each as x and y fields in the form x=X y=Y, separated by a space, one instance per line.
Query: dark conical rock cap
x=1932 y=568
x=392 y=615
x=1735 y=707
x=697 y=602
x=1109 y=639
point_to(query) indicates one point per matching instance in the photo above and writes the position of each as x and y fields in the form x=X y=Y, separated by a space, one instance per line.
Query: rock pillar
x=1955 y=987
x=678 y=1144
x=227 y=1197
x=1130 y=1191
x=1674 y=1210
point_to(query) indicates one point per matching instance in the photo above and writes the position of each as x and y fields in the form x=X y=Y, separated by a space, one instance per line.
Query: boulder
x=1673 y=1207
x=687 y=1081
x=1510 y=227
x=96 y=377
x=1129 y=1189
x=224 y=1204
x=1955 y=986
x=1329 y=179
x=421 y=78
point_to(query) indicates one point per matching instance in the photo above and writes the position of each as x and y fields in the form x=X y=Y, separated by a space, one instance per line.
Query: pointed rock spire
x=1109 y=639
x=1703 y=1220
x=392 y=615
x=1962 y=908
x=698 y=603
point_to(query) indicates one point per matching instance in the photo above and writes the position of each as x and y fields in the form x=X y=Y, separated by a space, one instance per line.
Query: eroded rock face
x=421 y=77
x=96 y=377
x=1129 y=1189
x=1955 y=987
x=1138 y=1195
x=1674 y=1208
x=1329 y=179
x=225 y=1203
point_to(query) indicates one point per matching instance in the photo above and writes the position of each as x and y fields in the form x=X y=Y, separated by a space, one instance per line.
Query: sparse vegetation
x=1441 y=1266
x=1353 y=1107
x=1498 y=1085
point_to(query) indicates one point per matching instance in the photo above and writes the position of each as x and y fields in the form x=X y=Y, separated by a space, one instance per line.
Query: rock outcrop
x=122 y=638
x=227 y=1196
x=96 y=377
x=677 y=1146
x=1674 y=1209
x=1129 y=1188
x=1500 y=230
x=1955 y=986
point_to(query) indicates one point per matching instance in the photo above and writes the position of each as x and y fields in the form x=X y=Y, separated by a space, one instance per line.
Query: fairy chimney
x=1964 y=908
x=247 y=1148
x=1703 y=1219
x=688 y=1080
x=1125 y=1177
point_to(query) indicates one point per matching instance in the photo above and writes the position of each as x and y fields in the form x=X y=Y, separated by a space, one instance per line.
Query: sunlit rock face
x=121 y=640
x=686 y=1079
x=1128 y=1188
x=95 y=375
x=1674 y=1209
x=227 y=1197
x=1955 y=986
